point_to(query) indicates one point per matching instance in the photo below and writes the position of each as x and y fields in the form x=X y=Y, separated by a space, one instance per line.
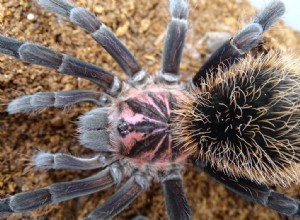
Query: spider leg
x=60 y=161
x=176 y=32
x=121 y=199
x=255 y=192
x=176 y=202
x=89 y=22
x=246 y=39
x=60 y=99
x=43 y=56
x=59 y=192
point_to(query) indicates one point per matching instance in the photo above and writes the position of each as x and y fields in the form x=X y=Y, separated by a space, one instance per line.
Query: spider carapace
x=143 y=122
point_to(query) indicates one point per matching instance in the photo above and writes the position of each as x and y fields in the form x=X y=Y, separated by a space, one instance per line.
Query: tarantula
x=237 y=120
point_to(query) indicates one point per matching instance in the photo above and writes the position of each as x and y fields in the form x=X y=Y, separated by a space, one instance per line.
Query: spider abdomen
x=141 y=125
x=245 y=121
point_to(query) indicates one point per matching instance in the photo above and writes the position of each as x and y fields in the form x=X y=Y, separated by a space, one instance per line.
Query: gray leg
x=121 y=199
x=174 y=42
x=255 y=192
x=88 y=21
x=59 y=192
x=176 y=202
x=64 y=161
x=61 y=99
x=248 y=38
x=40 y=55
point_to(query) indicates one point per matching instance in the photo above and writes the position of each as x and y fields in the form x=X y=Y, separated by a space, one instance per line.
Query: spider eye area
x=123 y=128
x=140 y=126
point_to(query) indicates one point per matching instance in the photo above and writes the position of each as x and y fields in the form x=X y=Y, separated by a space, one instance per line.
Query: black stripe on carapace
x=148 y=127
x=144 y=109
x=144 y=126
x=162 y=149
x=146 y=145
x=159 y=103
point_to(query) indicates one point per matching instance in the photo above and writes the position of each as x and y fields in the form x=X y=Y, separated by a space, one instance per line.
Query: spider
x=237 y=119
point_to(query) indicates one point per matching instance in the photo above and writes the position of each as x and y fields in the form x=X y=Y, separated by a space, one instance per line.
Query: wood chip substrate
x=141 y=25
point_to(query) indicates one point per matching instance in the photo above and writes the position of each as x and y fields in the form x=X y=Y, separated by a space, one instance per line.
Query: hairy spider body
x=237 y=119
x=255 y=104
